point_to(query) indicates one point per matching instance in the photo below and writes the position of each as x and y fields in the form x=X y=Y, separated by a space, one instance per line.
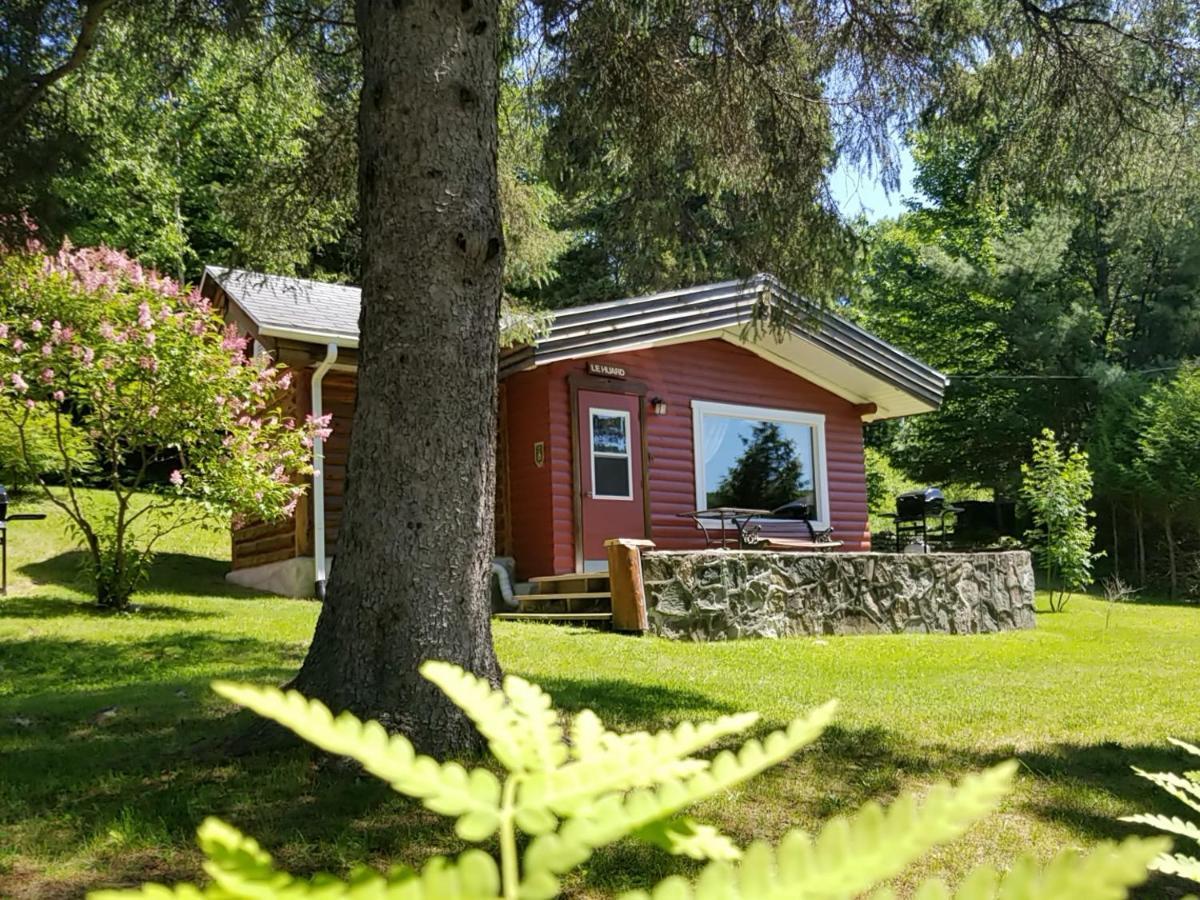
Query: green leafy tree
x=767 y=474
x=93 y=344
x=746 y=107
x=1167 y=464
x=1056 y=488
x=572 y=787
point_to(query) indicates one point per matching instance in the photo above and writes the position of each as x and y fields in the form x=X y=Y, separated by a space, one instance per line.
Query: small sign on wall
x=539 y=453
x=606 y=370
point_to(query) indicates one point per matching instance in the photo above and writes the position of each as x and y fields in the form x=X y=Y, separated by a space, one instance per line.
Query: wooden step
x=571 y=576
x=566 y=617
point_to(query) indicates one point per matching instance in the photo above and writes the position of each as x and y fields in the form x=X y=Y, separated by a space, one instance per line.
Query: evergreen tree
x=767 y=474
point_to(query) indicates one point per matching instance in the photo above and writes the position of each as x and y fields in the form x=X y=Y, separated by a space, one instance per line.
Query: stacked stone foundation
x=721 y=595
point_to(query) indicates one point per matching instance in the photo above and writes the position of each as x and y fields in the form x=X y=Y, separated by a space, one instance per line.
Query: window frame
x=608 y=454
x=815 y=421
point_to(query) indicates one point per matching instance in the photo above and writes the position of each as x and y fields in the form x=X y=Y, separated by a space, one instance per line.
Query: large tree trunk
x=411 y=576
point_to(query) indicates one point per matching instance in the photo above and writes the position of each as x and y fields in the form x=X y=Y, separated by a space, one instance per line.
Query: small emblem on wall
x=539 y=453
x=606 y=370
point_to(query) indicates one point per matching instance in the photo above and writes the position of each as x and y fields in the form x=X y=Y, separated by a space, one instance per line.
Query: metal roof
x=819 y=340
x=726 y=306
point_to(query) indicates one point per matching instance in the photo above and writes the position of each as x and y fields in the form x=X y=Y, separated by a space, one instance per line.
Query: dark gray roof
x=295 y=306
x=321 y=312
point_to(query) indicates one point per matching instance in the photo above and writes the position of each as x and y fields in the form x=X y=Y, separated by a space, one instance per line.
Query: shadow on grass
x=629 y=705
x=44 y=606
x=98 y=755
x=179 y=574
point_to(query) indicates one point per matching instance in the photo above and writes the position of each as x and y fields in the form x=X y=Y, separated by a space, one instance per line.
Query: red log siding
x=528 y=409
x=258 y=543
x=706 y=370
x=338 y=391
x=538 y=408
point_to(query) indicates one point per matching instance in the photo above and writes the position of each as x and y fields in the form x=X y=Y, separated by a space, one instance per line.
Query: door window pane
x=611 y=476
x=611 y=464
x=608 y=433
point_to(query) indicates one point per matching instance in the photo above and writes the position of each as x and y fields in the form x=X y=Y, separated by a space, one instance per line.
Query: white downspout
x=318 y=477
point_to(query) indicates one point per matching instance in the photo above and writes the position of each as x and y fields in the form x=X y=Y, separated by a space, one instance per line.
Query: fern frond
x=852 y=855
x=611 y=817
x=1106 y=872
x=1177 y=864
x=520 y=723
x=619 y=763
x=1184 y=745
x=687 y=837
x=447 y=788
x=1179 y=787
x=241 y=870
x=154 y=892
x=1169 y=824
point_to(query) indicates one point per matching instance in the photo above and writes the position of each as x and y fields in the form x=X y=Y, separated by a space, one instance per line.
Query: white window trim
x=816 y=421
x=627 y=455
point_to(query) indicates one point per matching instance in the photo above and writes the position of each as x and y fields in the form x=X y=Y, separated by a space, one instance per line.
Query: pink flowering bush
x=92 y=345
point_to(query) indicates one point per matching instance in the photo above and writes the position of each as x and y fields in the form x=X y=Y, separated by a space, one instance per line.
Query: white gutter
x=318 y=478
x=306 y=337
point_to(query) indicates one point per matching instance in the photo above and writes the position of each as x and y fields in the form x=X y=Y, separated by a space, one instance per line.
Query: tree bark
x=1169 y=533
x=411 y=576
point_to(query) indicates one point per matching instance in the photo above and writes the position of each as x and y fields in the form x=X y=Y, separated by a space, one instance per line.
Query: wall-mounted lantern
x=659 y=405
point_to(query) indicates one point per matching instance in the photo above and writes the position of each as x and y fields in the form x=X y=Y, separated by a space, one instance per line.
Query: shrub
x=1186 y=788
x=92 y=344
x=574 y=786
x=1056 y=488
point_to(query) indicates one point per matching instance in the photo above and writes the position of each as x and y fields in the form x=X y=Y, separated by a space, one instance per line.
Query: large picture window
x=758 y=458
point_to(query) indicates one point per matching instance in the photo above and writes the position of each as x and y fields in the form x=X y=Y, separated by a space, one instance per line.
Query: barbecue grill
x=914 y=509
x=5 y=518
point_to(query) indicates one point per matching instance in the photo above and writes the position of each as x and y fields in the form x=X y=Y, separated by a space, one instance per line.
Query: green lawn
x=107 y=727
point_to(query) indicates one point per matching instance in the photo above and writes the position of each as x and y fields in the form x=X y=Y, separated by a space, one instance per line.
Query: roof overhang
x=795 y=335
x=808 y=341
x=231 y=288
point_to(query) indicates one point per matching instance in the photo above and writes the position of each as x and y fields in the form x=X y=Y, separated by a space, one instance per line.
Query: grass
x=106 y=726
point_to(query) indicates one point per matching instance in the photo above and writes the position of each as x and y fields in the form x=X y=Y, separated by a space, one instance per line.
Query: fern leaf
x=852 y=855
x=473 y=797
x=1177 y=864
x=620 y=763
x=687 y=837
x=615 y=815
x=1107 y=872
x=1182 y=789
x=1169 y=824
x=241 y=870
x=153 y=892
x=520 y=724
x=1184 y=745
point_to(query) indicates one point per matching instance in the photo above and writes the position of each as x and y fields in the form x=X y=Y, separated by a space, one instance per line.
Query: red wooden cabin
x=620 y=418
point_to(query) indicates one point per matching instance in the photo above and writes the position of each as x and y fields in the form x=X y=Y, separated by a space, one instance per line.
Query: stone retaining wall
x=722 y=594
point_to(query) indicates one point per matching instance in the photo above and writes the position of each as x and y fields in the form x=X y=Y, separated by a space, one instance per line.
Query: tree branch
x=25 y=99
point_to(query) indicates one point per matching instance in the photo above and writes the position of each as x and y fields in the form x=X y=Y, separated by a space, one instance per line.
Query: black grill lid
x=920 y=503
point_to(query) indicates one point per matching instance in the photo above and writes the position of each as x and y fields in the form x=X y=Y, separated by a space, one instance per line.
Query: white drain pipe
x=318 y=477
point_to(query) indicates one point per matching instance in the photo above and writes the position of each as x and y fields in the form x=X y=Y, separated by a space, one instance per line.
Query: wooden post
x=625 y=583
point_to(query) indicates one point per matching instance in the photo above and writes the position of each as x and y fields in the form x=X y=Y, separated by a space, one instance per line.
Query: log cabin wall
x=257 y=543
x=504 y=536
x=712 y=370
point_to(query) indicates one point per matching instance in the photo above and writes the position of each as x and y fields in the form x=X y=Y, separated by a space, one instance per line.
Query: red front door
x=610 y=469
